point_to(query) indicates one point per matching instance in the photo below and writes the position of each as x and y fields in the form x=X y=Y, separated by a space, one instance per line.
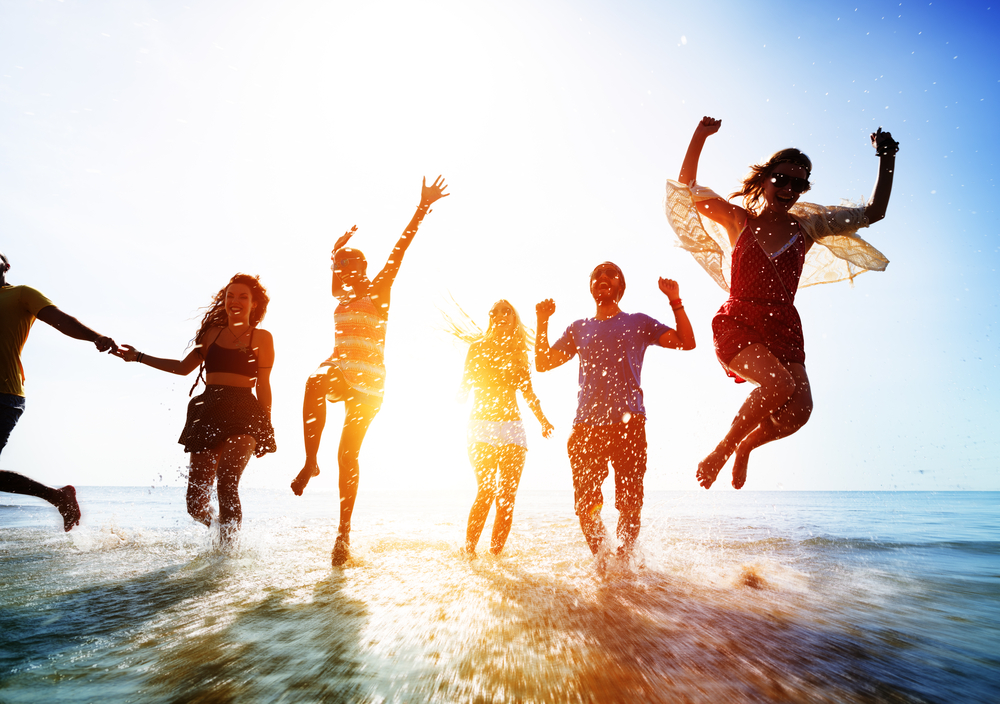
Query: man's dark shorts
x=11 y=408
x=592 y=447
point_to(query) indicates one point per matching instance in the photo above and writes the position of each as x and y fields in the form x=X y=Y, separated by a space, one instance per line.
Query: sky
x=150 y=150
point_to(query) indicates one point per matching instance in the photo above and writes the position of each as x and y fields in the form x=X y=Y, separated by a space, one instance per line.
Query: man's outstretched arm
x=71 y=327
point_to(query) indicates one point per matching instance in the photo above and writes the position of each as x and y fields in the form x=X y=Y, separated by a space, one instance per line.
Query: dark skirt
x=222 y=412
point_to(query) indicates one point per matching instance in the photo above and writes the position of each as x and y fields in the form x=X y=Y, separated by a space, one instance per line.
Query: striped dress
x=359 y=348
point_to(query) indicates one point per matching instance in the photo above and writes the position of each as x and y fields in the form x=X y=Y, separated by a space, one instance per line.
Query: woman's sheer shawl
x=841 y=256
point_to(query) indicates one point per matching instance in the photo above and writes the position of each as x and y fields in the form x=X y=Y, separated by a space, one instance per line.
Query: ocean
x=734 y=597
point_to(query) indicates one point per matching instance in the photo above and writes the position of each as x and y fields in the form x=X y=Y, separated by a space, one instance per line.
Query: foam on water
x=717 y=607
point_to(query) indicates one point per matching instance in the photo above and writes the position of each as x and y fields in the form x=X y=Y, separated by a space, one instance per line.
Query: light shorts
x=509 y=432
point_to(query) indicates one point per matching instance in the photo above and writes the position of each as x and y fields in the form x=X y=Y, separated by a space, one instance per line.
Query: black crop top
x=231 y=361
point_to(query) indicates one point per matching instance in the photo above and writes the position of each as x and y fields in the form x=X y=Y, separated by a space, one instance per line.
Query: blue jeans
x=11 y=408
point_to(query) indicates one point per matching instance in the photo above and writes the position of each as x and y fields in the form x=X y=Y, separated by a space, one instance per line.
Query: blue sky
x=151 y=150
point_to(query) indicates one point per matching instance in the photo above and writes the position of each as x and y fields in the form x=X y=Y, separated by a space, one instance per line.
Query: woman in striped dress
x=355 y=372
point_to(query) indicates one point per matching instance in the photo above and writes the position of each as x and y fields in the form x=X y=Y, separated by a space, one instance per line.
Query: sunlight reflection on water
x=721 y=608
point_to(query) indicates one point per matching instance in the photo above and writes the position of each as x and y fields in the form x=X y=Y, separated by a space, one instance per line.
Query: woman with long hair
x=227 y=423
x=497 y=367
x=355 y=372
x=761 y=253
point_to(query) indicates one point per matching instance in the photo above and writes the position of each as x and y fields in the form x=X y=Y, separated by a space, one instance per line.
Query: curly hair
x=753 y=183
x=215 y=313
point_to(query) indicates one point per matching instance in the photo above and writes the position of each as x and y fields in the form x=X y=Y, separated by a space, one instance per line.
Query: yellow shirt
x=18 y=307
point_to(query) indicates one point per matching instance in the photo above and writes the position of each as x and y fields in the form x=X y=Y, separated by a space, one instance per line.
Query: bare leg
x=629 y=522
x=788 y=419
x=326 y=381
x=200 y=479
x=356 y=422
x=485 y=459
x=234 y=453
x=593 y=528
x=63 y=499
x=775 y=386
x=511 y=466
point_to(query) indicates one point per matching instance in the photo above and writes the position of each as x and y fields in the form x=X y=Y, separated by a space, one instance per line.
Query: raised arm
x=338 y=288
x=886 y=148
x=428 y=196
x=682 y=338
x=71 y=327
x=728 y=215
x=546 y=358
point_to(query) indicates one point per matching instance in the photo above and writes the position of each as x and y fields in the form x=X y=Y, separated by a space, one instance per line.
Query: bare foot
x=740 y=463
x=69 y=508
x=709 y=468
x=303 y=477
x=341 y=551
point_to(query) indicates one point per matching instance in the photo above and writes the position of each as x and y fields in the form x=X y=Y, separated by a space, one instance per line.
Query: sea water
x=732 y=597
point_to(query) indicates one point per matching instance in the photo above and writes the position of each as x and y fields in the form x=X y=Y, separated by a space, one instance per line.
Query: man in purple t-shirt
x=610 y=424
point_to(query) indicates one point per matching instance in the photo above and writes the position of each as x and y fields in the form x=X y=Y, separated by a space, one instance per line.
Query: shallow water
x=751 y=597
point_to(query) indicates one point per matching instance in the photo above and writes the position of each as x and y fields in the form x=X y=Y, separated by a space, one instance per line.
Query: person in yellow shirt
x=19 y=306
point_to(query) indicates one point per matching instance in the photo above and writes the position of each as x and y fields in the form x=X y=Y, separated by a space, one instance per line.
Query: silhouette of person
x=760 y=253
x=497 y=366
x=355 y=372
x=610 y=423
x=19 y=306
x=226 y=424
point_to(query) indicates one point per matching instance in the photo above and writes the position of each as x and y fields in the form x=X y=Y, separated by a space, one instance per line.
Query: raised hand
x=545 y=309
x=884 y=144
x=344 y=238
x=707 y=127
x=434 y=192
x=671 y=288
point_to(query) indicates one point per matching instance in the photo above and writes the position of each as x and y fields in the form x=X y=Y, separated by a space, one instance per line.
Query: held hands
x=344 y=238
x=670 y=288
x=707 y=127
x=545 y=309
x=106 y=344
x=432 y=193
x=128 y=353
x=884 y=144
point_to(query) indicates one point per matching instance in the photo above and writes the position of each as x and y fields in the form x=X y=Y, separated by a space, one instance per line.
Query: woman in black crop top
x=226 y=423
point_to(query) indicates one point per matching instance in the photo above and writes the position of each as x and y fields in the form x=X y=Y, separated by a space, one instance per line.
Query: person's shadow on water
x=281 y=646
x=33 y=632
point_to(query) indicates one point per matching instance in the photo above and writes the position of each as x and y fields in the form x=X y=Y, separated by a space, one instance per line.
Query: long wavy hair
x=516 y=343
x=216 y=317
x=461 y=325
x=752 y=191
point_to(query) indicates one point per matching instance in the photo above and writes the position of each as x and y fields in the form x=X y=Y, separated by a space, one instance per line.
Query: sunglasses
x=497 y=312
x=608 y=271
x=799 y=185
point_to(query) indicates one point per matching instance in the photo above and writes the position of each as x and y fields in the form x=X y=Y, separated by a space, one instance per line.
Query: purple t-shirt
x=611 y=353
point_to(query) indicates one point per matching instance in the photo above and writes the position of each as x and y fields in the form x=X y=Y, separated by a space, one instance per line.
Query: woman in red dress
x=766 y=248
